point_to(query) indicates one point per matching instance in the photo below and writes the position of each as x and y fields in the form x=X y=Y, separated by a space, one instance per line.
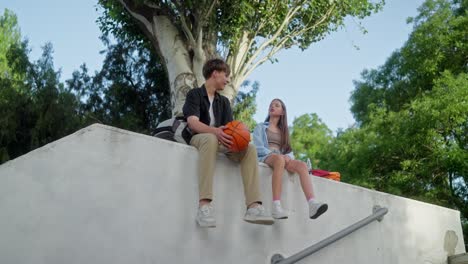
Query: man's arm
x=199 y=127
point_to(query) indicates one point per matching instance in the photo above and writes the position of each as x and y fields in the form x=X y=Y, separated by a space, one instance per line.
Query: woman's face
x=276 y=109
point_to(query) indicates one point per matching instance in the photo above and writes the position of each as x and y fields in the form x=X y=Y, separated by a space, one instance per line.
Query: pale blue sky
x=317 y=80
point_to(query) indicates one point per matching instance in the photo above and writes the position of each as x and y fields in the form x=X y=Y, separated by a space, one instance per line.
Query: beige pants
x=208 y=147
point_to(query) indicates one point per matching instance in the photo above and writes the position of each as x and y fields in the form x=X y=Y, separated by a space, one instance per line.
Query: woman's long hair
x=283 y=126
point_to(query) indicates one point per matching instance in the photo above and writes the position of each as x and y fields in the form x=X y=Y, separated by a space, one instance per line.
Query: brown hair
x=283 y=126
x=215 y=65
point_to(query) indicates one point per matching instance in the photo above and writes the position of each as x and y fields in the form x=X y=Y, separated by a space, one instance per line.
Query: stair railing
x=377 y=214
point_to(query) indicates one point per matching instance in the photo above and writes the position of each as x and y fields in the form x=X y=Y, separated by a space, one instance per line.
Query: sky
x=318 y=80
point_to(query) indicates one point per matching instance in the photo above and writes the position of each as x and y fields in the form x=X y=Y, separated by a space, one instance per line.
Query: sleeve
x=259 y=141
x=229 y=117
x=192 y=105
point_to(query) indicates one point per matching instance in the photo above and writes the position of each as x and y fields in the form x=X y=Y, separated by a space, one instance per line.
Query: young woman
x=273 y=148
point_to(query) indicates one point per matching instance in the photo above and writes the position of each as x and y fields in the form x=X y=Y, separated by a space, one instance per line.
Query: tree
x=420 y=152
x=9 y=35
x=352 y=153
x=309 y=136
x=392 y=100
x=245 y=106
x=244 y=32
x=35 y=108
x=412 y=112
x=436 y=44
x=130 y=91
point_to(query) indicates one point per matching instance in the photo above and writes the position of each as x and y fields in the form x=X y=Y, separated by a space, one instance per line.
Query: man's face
x=220 y=79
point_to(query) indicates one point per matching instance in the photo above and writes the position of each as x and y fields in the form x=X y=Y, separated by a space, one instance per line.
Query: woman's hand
x=287 y=159
x=223 y=138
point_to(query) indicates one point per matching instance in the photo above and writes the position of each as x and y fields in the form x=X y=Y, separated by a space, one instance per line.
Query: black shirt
x=198 y=104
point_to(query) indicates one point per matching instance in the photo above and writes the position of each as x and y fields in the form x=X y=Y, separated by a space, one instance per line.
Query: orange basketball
x=240 y=135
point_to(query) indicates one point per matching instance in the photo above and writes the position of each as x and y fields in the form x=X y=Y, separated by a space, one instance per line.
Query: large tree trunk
x=184 y=62
x=183 y=70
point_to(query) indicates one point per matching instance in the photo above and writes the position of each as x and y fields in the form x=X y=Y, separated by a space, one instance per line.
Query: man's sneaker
x=257 y=215
x=278 y=212
x=316 y=209
x=205 y=216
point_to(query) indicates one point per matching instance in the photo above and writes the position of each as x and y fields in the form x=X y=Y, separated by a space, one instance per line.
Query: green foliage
x=131 y=91
x=245 y=106
x=437 y=43
x=352 y=154
x=309 y=136
x=115 y=21
x=9 y=36
x=412 y=113
x=265 y=19
x=35 y=109
x=416 y=152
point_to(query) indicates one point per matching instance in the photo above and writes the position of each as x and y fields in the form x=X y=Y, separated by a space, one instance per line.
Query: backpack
x=175 y=129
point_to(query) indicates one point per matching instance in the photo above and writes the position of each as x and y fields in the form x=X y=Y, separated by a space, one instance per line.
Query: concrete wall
x=104 y=195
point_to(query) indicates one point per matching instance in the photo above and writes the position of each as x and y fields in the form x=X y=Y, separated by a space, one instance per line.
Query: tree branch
x=268 y=41
x=252 y=64
x=142 y=15
x=185 y=27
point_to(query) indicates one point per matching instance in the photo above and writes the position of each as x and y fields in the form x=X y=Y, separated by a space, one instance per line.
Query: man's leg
x=249 y=169
x=207 y=145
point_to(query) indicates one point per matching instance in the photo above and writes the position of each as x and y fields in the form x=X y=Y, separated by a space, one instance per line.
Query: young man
x=207 y=112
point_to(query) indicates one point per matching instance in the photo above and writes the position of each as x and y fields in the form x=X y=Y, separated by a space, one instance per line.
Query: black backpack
x=175 y=129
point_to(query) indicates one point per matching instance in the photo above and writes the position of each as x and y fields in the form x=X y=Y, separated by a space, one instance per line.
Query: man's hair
x=215 y=65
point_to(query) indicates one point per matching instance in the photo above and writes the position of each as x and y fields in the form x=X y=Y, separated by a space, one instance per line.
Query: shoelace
x=261 y=210
x=205 y=210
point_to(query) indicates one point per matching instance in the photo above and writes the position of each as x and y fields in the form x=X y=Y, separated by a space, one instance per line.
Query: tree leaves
x=309 y=136
x=412 y=115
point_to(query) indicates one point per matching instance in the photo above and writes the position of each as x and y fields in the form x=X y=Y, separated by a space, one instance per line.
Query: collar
x=205 y=93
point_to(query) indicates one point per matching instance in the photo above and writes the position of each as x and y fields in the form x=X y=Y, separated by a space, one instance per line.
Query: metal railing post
x=378 y=214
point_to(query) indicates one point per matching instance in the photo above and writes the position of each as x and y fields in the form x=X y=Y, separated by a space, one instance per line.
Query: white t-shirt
x=212 y=118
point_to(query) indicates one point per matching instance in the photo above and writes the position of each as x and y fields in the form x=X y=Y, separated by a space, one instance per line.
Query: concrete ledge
x=106 y=195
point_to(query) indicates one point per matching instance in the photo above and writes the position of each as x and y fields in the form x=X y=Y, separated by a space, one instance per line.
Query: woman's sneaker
x=316 y=209
x=205 y=216
x=278 y=212
x=257 y=215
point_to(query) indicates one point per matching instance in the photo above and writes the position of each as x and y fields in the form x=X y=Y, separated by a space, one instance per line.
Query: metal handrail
x=378 y=214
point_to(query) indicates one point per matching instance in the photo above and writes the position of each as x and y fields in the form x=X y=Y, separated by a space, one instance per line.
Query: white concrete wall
x=104 y=195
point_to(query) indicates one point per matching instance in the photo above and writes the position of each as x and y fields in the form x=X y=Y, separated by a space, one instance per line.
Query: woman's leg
x=300 y=167
x=276 y=162
x=315 y=208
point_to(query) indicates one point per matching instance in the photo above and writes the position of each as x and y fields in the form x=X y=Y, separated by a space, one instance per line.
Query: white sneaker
x=316 y=209
x=278 y=212
x=257 y=215
x=205 y=216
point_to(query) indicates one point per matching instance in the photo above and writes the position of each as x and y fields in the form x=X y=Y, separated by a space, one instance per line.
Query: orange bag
x=334 y=175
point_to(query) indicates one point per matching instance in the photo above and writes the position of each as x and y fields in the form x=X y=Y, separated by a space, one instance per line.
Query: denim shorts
x=273 y=151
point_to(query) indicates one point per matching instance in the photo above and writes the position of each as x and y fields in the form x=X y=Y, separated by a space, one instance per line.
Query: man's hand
x=223 y=138
x=199 y=127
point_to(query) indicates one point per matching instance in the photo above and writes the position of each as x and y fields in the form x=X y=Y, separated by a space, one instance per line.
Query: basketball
x=240 y=135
